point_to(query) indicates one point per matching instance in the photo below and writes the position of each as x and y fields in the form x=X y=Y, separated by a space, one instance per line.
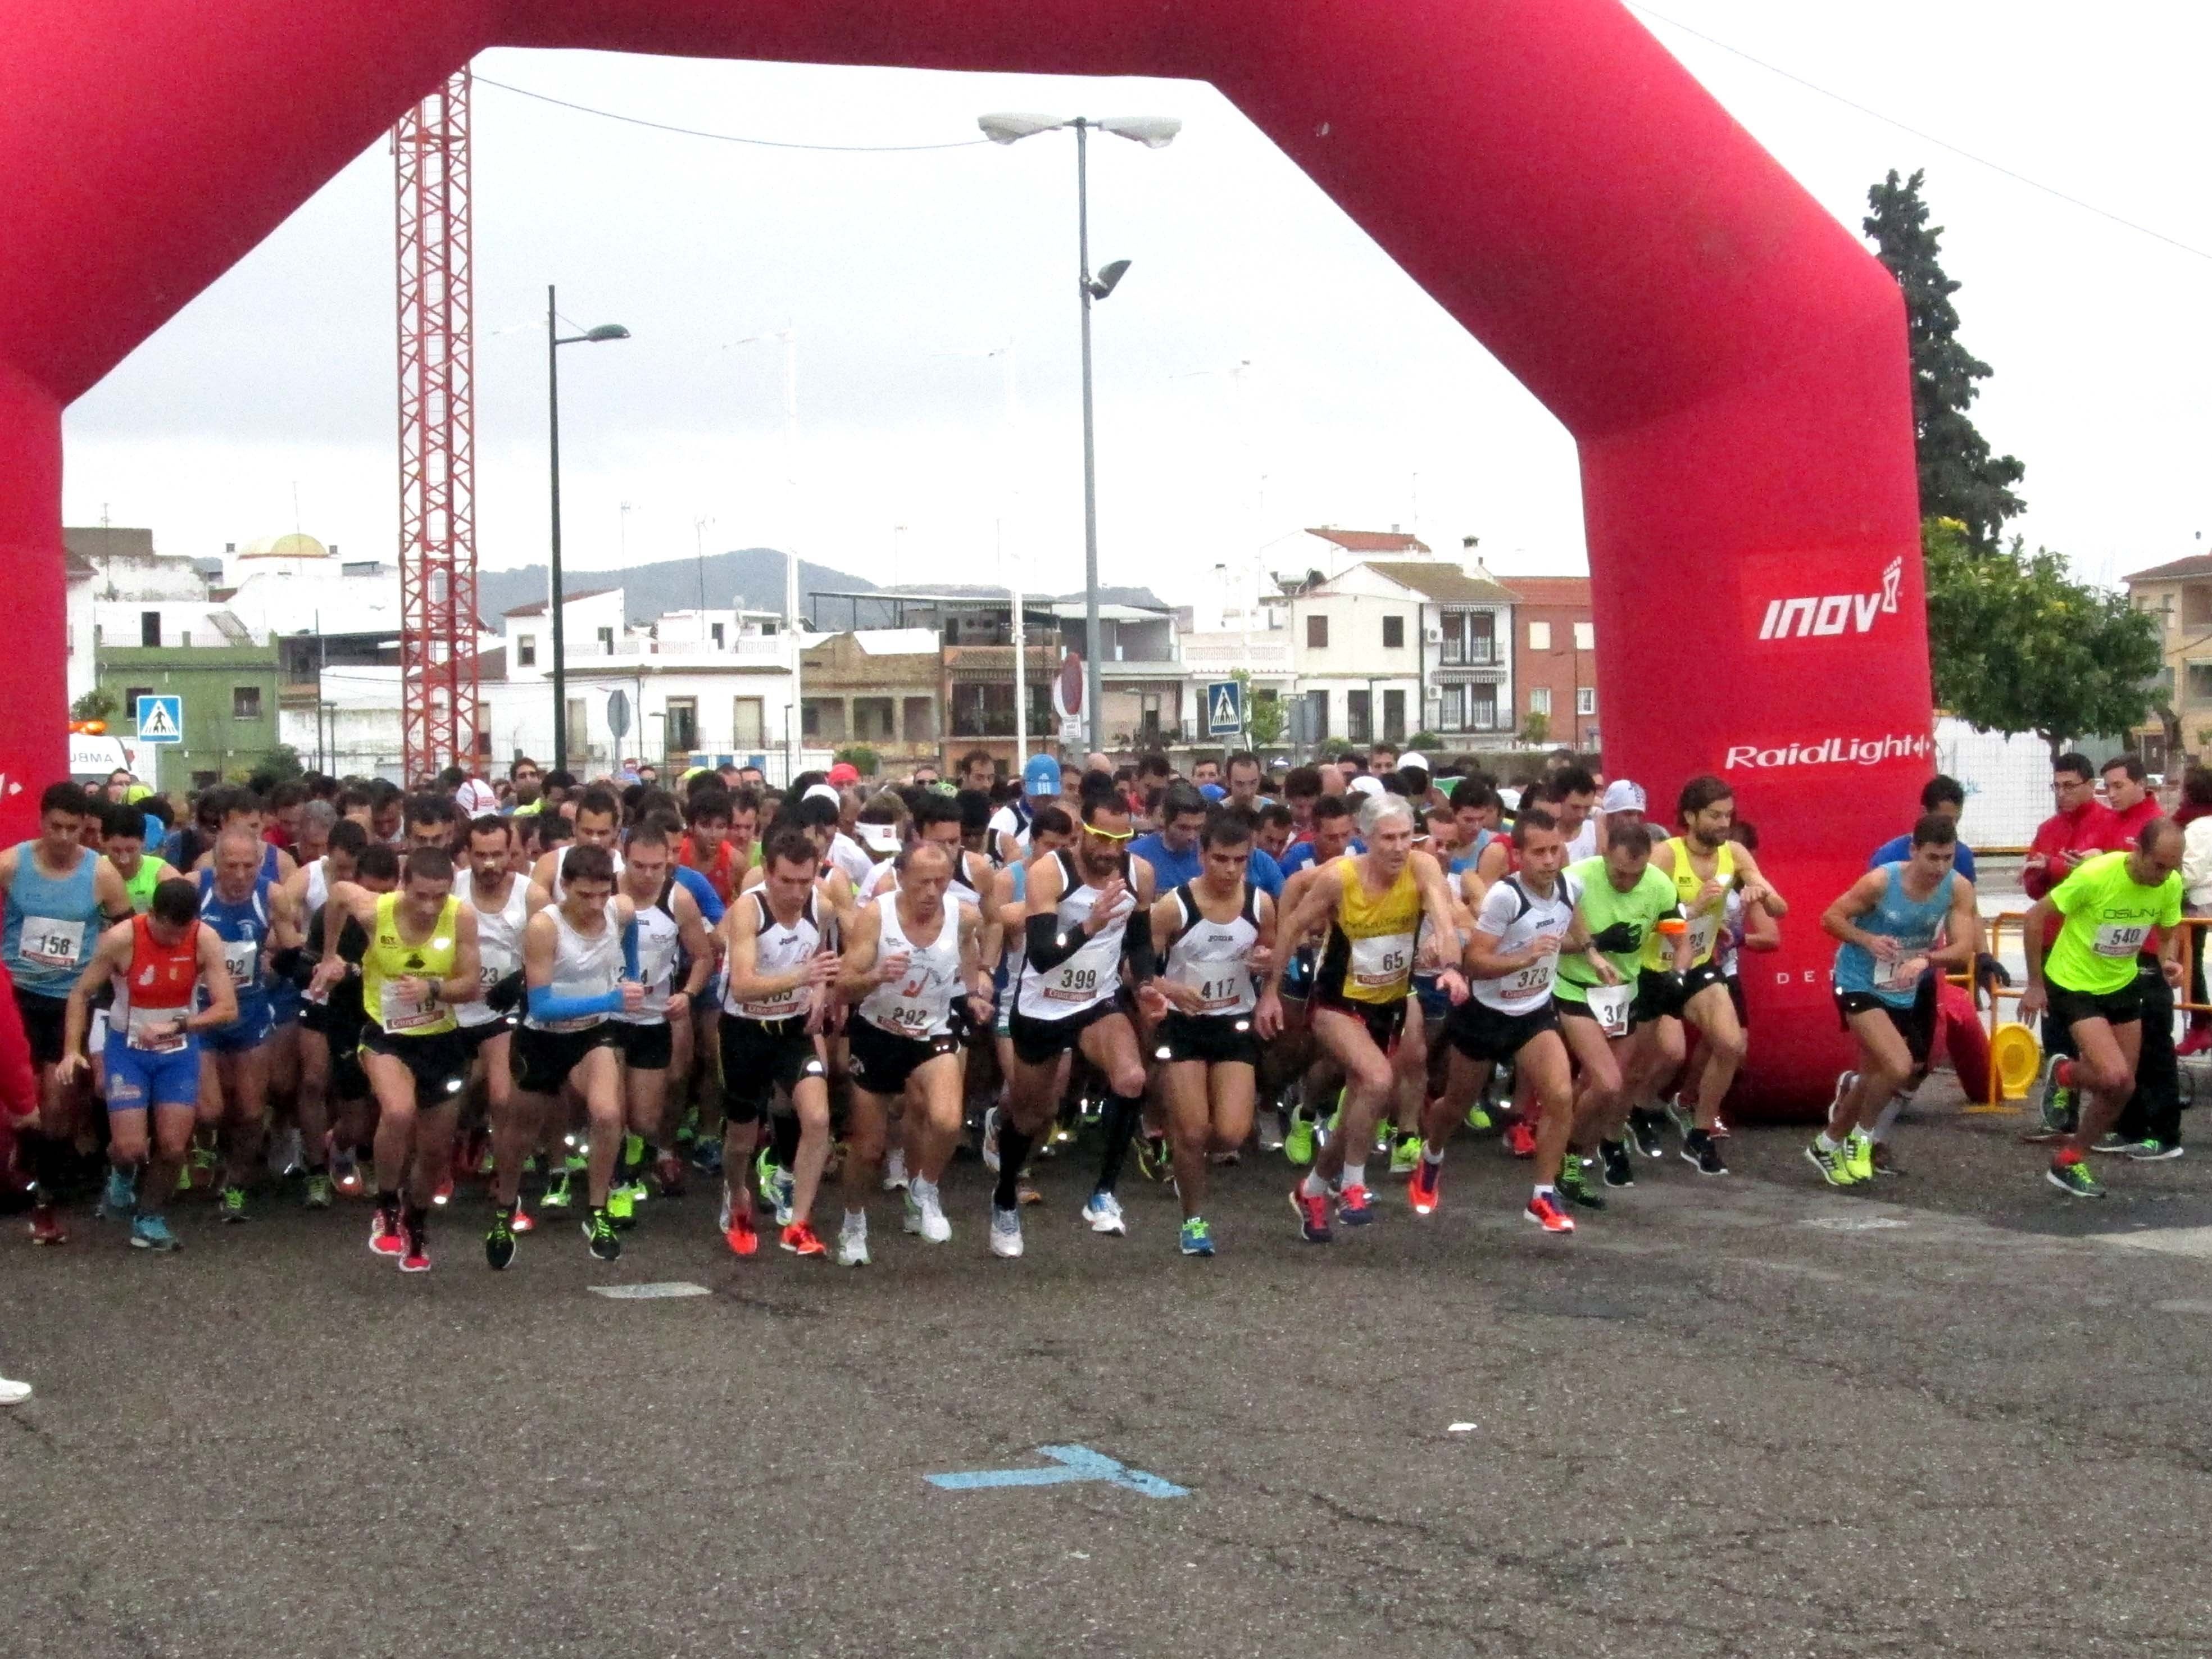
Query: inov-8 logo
x=1826 y=615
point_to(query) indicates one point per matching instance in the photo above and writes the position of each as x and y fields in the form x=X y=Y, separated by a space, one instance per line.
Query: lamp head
x=1011 y=128
x=1108 y=278
x=1153 y=131
x=607 y=332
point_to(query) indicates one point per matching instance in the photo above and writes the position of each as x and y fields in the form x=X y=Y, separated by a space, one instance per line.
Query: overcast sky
x=1264 y=366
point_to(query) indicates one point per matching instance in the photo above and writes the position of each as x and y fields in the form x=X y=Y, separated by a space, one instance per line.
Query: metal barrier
x=1996 y=993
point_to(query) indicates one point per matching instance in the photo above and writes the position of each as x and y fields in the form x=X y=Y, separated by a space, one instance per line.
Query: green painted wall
x=218 y=738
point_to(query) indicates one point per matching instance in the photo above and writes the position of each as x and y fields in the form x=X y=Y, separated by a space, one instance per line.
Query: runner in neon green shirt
x=2111 y=905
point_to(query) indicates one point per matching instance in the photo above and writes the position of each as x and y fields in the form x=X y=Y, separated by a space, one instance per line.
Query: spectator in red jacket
x=2127 y=792
x=2082 y=827
x=19 y=1104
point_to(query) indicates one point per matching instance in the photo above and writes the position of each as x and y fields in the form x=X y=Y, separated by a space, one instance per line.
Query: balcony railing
x=1479 y=652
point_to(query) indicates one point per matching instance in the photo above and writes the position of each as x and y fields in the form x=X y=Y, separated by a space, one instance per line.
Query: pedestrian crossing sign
x=1224 y=708
x=162 y=719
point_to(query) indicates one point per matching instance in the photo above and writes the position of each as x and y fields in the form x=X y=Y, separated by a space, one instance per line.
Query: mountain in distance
x=753 y=576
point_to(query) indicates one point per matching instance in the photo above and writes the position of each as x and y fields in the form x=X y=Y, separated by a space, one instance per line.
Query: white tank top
x=657 y=940
x=780 y=949
x=499 y=939
x=1085 y=979
x=1211 y=957
x=918 y=1004
x=583 y=966
x=1516 y=918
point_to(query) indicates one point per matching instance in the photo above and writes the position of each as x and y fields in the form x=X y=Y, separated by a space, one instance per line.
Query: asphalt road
x=1743 y=1415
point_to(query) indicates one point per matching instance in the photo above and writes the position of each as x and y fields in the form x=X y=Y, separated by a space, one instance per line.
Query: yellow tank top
x=1377 y=932
x=1704 y=925
x=390 y=958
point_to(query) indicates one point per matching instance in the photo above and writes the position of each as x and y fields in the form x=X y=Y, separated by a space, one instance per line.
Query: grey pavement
x=1962 y=1413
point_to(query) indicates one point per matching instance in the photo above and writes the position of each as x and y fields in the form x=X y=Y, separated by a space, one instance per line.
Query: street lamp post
x=554 y=341
x=1153 y=133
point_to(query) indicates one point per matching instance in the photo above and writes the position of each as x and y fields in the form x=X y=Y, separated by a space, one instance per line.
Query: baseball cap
x=1041 y=777
x=1211 y=790
x=822 y=792
x=1622 y=796
x=1416 y=759
x=1364 y=785
x=844 y=772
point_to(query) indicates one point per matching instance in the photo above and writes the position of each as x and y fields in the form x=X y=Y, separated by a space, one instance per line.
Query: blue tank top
x=51 y=925
x=1912 y=923
x=243 y=928
x=1467 y=860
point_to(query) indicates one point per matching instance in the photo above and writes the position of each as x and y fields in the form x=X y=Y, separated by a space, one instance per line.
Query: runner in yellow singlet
x=421 y=963
x=1704 y=865
x=1373 y=903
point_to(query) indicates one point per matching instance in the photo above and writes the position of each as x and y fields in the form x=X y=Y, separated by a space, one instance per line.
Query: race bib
x=1891 y=975
x=400 y=1013
x=156 y=1030
x=783 y=1006
x=1384 y=963
x=1610 y=1004
x=2118 y=939
x=241 y=958
x=1220 y=992
x=48 y=942
x=1069 y=984
x=1532 y=979
x=1705 y=928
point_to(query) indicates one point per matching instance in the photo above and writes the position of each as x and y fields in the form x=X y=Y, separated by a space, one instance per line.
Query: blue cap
x=1211 y=790
x=1041 y=777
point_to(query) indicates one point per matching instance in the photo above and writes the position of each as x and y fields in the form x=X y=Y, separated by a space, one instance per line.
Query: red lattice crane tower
x=437 y=436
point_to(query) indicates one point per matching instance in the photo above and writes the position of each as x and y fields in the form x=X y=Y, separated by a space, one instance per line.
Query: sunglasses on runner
x=1108 y=834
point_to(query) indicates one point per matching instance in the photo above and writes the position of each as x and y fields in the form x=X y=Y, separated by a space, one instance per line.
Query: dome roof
x=293 y=546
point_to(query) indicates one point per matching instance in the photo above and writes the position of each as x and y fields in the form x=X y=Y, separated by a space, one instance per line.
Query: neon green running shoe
x=1406 y=1156
x=1478 y=1115
x=1861 y=1152
x=622 y=1206
x=1834 y=1163
x=557 y=1195
x=1299 y=1144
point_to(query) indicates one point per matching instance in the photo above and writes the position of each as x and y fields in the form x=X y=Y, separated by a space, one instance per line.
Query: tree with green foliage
x=97 y=704
x=1536 y=729
x=861 y=756
x=2017 y=645
x=1264 y=719
x=1959 y=479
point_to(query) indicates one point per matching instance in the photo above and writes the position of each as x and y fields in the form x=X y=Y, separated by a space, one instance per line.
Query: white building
x=1389 y=647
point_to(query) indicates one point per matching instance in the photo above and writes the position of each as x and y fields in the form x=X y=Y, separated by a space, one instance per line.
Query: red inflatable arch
x=1730 y=361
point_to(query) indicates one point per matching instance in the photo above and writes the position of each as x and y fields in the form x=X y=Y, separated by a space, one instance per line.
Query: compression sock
x=1013 y=1152
x=783 y=1139
x=1122 y=1116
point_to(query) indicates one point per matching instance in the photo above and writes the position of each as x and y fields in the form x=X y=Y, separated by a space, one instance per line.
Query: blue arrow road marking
x=1074 y=1463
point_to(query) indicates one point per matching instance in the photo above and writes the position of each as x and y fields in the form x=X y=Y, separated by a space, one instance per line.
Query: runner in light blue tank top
x=1913 y=923
x=52 y=923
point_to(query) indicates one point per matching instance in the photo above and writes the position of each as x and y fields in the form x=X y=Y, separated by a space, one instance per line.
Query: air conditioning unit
x=1432 y=694
x=1433 y=635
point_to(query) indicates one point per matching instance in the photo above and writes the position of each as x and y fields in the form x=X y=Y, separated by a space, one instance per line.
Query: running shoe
x=2059 y=1107
x=2112 y=1143
x=46 y=1225
x=499 y=1242
x=2073 y=1177
x=621 y=1205
x=1545 y=1212
x=1478 y=1115
x=345 y=1173
x=151 y=1232
x=317 y=1195
x=1424 y=1191
x=740 y=1235
x=557 y=1195
x=1006 y=1232
x=2196 y=1042
x=121 y=1196
x=233 y=1203
x=1702 y=1149
x=1861 y=1149
x=852 y=1241
x=1271 y=1132
x=800 y=1239
x=1197 y=1237
x=991 y=1138
x=706 y=1157
x=200 y=1166
x=522 y=1223
x=1573 y=1181
x=606 y=1243
x=1834 y=1163
x=415 y=1258
x=2152 y=1150
x=1101 y=1213
x=1406 y=1156
x=383 y=1233
x=895 y=1175
x=1885 y=1161
x=1644 y=1128
x=1620 y=1168
x=1155 y=1159
x=1312 y=1212
x=1354 y=1208
x=1521 y=1138
x=927 y=1213
x=444 y=1195
x=1299 y=1144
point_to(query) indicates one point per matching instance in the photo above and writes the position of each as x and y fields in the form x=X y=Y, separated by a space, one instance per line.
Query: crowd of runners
x=601 y=995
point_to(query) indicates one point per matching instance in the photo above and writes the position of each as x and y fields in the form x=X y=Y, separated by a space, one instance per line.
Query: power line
x=1925 y=138
x=724 y=137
